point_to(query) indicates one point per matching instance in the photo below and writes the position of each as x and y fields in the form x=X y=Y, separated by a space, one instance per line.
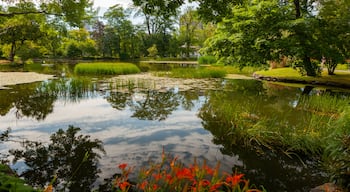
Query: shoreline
x=15 y=78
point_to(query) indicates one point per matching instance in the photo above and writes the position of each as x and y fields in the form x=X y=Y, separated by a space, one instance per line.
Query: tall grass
x=105 y=69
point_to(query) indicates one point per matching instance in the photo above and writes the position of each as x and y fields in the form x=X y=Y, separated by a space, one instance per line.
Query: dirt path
x=14 y=78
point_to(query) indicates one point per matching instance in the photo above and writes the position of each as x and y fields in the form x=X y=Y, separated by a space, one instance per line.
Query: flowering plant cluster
x=171 y=175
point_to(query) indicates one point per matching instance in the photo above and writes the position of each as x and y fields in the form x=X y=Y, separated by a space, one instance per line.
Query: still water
x=135 y=124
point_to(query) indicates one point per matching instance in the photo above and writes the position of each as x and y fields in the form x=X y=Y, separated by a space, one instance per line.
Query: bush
x=207 y=59
x=105 y=69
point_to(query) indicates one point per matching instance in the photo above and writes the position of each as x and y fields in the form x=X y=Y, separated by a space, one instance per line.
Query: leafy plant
x=207 y=59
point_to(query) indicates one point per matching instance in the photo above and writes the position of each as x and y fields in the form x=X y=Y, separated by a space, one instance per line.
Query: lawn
x=340 y=77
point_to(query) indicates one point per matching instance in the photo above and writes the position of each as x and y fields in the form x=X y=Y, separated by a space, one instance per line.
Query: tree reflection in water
x=234 y=115
x=70 y=158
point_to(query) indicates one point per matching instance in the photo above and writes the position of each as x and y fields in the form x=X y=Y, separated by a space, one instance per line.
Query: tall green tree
x=333 y=35
x=17 y=30
x=123 y=33
x=71 y=11
x=189 y=25
x=257 y=32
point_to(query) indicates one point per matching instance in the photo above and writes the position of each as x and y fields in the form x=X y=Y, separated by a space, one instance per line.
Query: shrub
x=207 y=59
x=105 y=69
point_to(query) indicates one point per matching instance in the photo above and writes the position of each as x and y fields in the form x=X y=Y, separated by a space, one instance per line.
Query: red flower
x=234 y=180
x=184 y=173
x=143 y=185
x=123 y=186
x=158 y=176
x=209 y=170
x=205 y=183
x=155 y=187
x=215 y=187
x=123 y=166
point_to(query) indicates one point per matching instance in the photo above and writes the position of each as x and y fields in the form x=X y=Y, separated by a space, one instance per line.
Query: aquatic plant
x=105 y=69
x=336 y=157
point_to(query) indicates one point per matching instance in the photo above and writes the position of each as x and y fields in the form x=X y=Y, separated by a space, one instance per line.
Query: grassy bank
x=212 y=71
x=105 y=69
x=340 y=77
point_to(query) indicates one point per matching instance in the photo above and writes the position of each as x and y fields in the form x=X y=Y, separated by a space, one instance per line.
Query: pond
x=136 y=122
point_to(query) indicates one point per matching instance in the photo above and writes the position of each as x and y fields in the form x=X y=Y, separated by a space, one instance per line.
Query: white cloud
x=109 y=3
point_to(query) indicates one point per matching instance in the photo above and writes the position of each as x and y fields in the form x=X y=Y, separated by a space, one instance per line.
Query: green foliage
x=10 y=182
x=337 y=154
x=257 y=32
x=69 y=157
x=73 y=51
x=152 y=51
x=105 y=68
x=197 y=73
x=207 y=59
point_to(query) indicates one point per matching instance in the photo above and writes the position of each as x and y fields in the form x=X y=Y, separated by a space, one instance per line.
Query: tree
x=78 y=43
x=333 y=35
x=250 y=36
x=123 y=32
x=18 y=29
x=71 y=158
x=71 y=11
x=189 y=25
x=216 y=10
x=261 y=31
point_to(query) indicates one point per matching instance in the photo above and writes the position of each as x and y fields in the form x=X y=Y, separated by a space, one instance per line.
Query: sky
x=108 y=3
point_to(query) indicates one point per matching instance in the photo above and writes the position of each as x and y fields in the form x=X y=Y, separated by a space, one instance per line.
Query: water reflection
x=135 y=124
x=70 y=160
x=232 y=115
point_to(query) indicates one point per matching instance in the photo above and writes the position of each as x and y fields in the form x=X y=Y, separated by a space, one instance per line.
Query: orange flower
x=123 y=186
x=205 y=183
x=209 y=170
x=172 y=164
x=143 y=185
x=157 y=177
x=184 y=173
x=48 y=189
x=234 y=180
x=215 y=187
x=123 y=166
x=155 y=187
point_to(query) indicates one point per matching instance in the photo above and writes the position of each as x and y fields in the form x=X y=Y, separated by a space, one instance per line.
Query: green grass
x=10 y=182
x=206 y=59
x=289 y=73
x=195 y=73
x=105 y=69
x=342 y=67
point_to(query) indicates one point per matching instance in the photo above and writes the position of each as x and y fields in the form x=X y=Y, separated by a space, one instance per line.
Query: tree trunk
x=297 y=9
x=310 y=70
x=12 y=52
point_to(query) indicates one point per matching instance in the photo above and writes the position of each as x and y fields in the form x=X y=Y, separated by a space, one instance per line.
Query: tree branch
x=26 y=13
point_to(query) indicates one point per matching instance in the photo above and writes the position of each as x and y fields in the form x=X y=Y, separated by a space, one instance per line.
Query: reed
x=105 y=69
